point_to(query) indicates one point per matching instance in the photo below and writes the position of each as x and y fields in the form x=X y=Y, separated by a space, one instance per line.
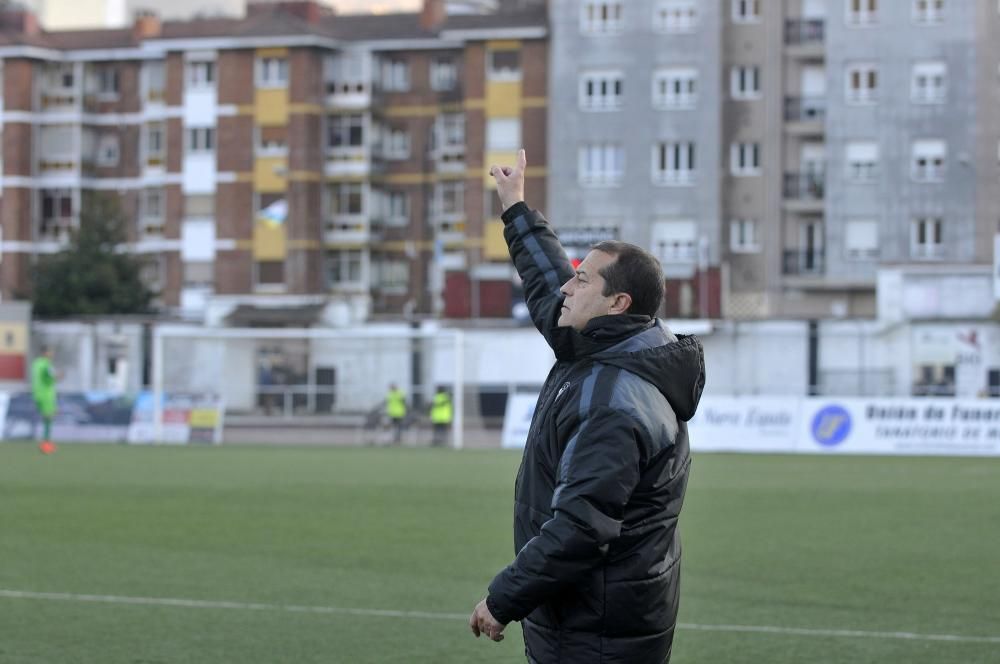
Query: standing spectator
x=395 y=410
x=441 y=416
x=43 y=390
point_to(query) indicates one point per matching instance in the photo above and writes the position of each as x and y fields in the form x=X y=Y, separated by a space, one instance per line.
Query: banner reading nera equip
x=814 y=425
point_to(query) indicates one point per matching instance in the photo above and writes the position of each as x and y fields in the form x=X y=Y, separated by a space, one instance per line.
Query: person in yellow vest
x=441 y=414
x=395 y=410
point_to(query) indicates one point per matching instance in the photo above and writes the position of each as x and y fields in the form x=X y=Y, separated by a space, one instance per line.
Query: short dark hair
x=636 y=272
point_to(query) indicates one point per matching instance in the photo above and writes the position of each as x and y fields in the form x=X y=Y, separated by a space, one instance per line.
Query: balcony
x=348 y=160
x=804 y=192
x=804 y=37
x=803 y=262
x=56 y=229
x=350 y=229
x=348 y=96
x=804 y=116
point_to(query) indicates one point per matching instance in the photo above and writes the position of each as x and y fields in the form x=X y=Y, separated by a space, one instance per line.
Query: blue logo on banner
x=831 y=426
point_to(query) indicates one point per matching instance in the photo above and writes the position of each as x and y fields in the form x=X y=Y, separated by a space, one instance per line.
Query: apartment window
x=928 y=161
x=862 y=83
x=451 y=130
x=926 y=238
x=60 y=76
x=57 y=213
x=861 y=239
x=269 y=273
x=397 y=211
x=675 y=16
x=601 y=91
x=201 y=139
x=503 y=133
x=862 y=161
x=391 y=274
x=107 y=80
x=344 y=267
x=345 y=131
x=272 y=72
x=927 y=85
x=601 y=164
x=675 y=241
x=744 y=82
x=156 y=80
x=345 y=73
x=928 y=12
x=444 y=74
x=107 y=150
x=346 y=198
x=746 y=11
x=201 y=75
x=449 y=198
x=673 y=162
x=198 y=206
x=675 y=87
x=395 y=75
x=744 y=159
x=504 y=65
x=151 y=218
x=199 y=274
x=743 y=236
x=155 y=145
x=396 y=144
x=862 y=12
x=601 y=17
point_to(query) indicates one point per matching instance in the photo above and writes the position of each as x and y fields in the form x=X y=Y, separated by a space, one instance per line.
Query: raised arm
x=538 y=256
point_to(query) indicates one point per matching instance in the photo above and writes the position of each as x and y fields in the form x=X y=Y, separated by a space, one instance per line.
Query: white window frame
x=861 y=253
x=861 y=13
x=107 y=81
x=928 y=12
x=744 y=236
x=675 y=88
x=602 y=90
x=601 y=164
x=272 y=72
x=745 y=11
x=395 y=75
x=200 y=140
x=674 y=163
x=108 y=150
x=676 y=16
x=932 y=229
x=200 y=74
x=864 y=93
x=397 y=208
x=744 y=82
x=396 y=143
x=929 y=160
x=681 y=243
x=929 y=82
x=449 y=200
x=341 y=192
x=443 y=74
x=343 y=124
x=602 y=17
x=862 y=161
x=450 y=128
x=744 y=158
x=156 y=149
x=347 y=261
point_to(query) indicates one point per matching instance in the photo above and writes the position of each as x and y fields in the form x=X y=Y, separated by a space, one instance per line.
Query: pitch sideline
x=430 y=615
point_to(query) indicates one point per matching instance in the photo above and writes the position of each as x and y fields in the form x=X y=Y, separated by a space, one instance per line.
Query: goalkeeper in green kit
x=43 y=389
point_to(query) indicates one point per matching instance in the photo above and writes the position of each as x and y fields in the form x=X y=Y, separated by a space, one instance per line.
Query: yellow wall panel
x=269 y=243
x=503 y=45
x=13 y=338
x=494 y=246
x=278 y=52
x=269 y=174
x=271 y=107
x=503 y=99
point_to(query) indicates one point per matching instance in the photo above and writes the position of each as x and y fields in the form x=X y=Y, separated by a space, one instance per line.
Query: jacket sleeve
x=598 y=472
x=541 y=262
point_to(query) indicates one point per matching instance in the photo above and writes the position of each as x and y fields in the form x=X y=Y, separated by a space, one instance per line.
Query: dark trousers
x=440 y=434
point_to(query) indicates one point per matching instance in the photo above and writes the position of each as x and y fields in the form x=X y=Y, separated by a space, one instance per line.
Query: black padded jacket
x=602 y=480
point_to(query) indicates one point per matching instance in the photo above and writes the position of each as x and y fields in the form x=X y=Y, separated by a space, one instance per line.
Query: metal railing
x=805 y=109
x=799 y=262
x=804 y=31
x=804 y=186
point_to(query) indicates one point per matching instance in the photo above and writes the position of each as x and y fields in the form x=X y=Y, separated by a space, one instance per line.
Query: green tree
x=93 y=275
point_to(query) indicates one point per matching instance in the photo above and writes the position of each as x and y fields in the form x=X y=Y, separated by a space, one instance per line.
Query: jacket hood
x=675 y=365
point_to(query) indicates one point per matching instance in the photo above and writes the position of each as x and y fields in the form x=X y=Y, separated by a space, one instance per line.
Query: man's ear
x=620 y=303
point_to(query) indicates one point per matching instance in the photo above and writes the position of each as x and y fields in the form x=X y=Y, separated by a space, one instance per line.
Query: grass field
x=828 y=555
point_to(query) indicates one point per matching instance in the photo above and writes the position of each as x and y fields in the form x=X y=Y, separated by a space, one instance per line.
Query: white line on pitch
x=430 y=615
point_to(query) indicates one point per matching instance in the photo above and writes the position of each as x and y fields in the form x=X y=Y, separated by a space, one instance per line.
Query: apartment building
x=802 y=145
x=332 y=166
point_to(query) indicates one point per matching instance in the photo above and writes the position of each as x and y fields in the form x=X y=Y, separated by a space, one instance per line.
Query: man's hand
x=510 y=181
x=482 y=621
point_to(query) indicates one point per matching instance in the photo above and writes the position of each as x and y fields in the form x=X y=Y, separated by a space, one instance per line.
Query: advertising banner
x=517 y=419
x=98 y=417
x=734 y=424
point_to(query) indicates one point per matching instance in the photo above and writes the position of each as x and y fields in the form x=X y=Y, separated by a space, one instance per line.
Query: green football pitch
x=139 y=555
